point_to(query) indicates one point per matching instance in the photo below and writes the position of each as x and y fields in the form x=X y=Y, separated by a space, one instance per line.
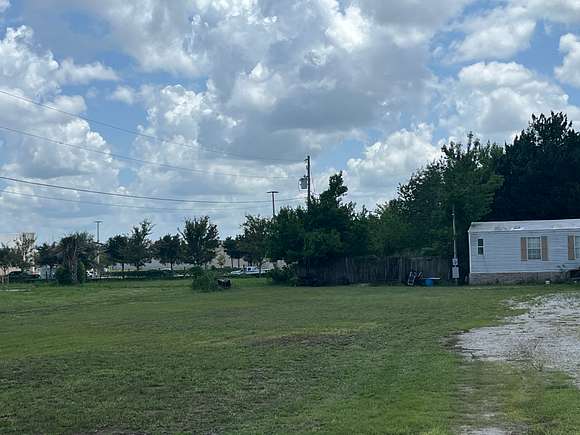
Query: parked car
x=248 y=271
x=22 y=276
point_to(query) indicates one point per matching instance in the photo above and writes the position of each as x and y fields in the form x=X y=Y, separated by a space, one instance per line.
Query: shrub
x=204 y=280
x=284 y=275
x=63 y=275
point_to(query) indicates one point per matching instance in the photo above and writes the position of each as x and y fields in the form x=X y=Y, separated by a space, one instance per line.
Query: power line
x=133 y=159
x=125 y=195
x=137 y=133
x=104 y=204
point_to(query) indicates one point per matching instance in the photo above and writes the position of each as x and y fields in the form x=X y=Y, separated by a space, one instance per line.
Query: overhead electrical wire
x=136 y=160
x=140 y=134
x=125 y=195
x=155 y=209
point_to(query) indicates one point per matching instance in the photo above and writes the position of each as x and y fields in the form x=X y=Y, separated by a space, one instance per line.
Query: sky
x=200 y=107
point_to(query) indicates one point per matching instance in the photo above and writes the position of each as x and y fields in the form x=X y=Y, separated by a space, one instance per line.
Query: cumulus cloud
x=502 y=32
x=124 y=94
x=4 y=4
x=497 y=35
x=32 y=73
x=69 y=73
x=387 y=163
x=496 y=100
x=569 y=71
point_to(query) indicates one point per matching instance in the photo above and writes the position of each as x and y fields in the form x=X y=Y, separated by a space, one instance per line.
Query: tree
x=464 y=180
x=77 y=252
x=7 y=259
x=139 y=244
x=221 y=260
x=117 y=250
x=201 y=240
x=255 y=239
x=231 y=246
x=329 y=229
x=540 y=170
x=287 y=235
x=24 y=250
x=47 y=255
x=168 y=250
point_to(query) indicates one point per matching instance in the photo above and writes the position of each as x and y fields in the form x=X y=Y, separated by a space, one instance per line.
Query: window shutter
x=571 y=254
x=524 y=248
x=545 y=255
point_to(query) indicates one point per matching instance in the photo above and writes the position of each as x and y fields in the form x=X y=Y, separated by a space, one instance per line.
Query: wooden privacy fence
x=373 y=270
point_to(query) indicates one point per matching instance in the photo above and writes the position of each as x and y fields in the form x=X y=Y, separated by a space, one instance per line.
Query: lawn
x=156 y=357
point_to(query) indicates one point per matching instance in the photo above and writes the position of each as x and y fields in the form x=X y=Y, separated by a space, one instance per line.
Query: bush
x=204 y=280
x=63 y=275
x=284 y=275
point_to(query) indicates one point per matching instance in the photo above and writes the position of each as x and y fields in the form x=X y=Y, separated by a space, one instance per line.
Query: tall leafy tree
x=255 y=239
x=8 y=259
x=168 y=250
x=287 y=235
x=76 y=252
x=201 y=240
x=231 y=246
x=540 y=169
x=47 y=255
x=139 y=244
x=117 y=250
x=464 y=180
x=24 y=250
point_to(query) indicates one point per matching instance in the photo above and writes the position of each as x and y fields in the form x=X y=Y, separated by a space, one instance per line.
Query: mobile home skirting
x=517 y=277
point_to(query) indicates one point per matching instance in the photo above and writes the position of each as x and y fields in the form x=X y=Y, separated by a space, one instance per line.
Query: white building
x=523 y=251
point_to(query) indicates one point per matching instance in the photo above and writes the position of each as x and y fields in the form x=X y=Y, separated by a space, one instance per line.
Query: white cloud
x=496 y=100
x=124 y=94
x=569 y=72
x=29 y=72
x=4 y=5
x=349 y=30
x=497 y=35
x=69 y=73
x=387 y=163
x=502 y=32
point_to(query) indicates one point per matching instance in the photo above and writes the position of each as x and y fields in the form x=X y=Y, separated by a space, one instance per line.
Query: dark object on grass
x=224 y=283
x=22 y=276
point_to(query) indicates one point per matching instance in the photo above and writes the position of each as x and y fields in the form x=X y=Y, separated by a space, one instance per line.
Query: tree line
x=534 y=177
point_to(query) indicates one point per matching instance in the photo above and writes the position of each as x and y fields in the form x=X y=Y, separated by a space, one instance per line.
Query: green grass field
x=156 y=357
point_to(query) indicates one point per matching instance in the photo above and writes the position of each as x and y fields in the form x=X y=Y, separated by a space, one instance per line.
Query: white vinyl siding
x=534 y=248
x=503 y=252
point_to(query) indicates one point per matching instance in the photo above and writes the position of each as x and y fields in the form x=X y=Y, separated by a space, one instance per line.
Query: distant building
x=523 y=251
x=9 y=239
x=221 y=255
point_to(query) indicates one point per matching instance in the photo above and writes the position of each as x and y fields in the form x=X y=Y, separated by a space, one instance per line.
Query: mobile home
x=523 y=251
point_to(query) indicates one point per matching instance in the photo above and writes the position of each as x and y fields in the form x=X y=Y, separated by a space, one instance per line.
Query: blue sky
x=364 y=86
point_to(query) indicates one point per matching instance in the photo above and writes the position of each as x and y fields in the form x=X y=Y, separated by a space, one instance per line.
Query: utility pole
x=455 y=268
x=99 y=248
x=273 y=193
x=308 y=176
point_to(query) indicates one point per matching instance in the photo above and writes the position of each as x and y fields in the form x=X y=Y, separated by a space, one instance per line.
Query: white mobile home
x=523 y=251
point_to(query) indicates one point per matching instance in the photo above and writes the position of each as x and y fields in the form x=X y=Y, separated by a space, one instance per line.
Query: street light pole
x=308 y=175
x=273 y=193
x=455 y=266
x=99 y=247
